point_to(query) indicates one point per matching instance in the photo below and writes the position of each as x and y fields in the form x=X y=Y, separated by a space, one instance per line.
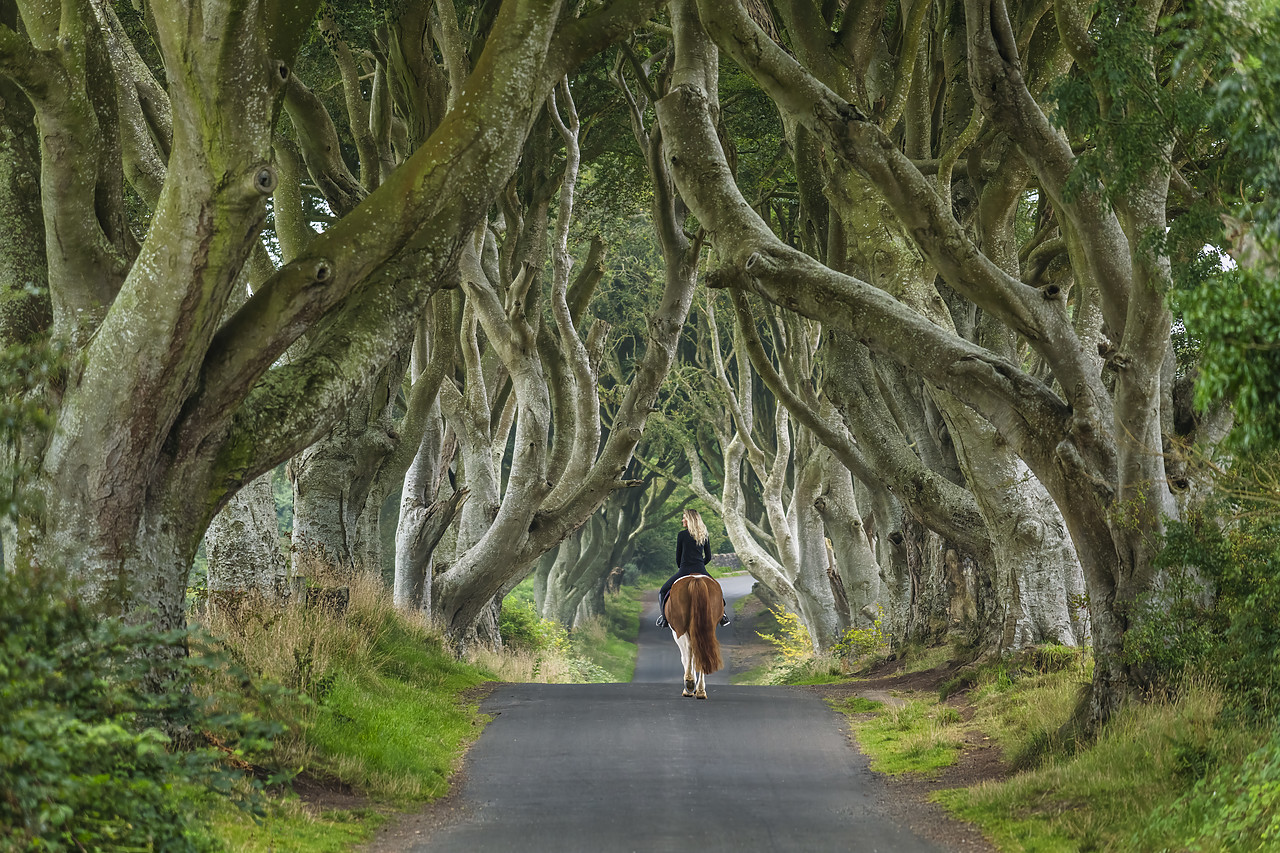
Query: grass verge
x=291 y=826
x=379 y=709
x=536 y=649
x=919 y=737
x=609 y=642
x=1122 y=792
x=1174 y=774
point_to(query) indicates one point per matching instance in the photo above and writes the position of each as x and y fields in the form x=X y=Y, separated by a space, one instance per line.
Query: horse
x=694 y=608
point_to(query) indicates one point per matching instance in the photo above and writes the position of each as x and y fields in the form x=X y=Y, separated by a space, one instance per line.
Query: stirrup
x=724 y=620
x=661 y=622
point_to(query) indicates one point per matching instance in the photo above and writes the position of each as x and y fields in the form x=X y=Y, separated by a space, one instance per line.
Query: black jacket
x=691 y=558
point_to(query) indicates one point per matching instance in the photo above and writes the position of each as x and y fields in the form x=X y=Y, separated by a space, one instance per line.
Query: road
x=597 y=768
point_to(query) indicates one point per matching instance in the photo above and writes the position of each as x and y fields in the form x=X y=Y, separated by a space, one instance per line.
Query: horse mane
x=704 y=614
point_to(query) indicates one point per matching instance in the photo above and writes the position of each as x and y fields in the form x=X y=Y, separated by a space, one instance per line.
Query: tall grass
x=602 y=649
x=608 y=642
x=383 y=711
x=1180 y=773
x=1109 y=796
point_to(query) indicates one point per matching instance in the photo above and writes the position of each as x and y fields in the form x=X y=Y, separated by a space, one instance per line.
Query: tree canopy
x=967 y=335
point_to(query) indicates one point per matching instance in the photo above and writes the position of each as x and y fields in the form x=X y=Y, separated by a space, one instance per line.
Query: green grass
x=1104 y=797
x=386 y=713
x=289 y=827
x=858 y=705
x=923 y=660
x=1163 y=776
x=724 y=572
x=918 y=737
x=610 y=642
x=755 y=675
x=394 y=726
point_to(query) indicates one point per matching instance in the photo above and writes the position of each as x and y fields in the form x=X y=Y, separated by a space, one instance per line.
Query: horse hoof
x=686 y=694
x=701 y=695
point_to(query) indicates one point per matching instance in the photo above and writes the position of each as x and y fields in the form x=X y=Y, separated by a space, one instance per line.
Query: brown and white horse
x=694 y=608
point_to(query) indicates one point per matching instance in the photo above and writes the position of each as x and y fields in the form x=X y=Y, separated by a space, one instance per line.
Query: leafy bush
x=101 y=743
x=521 y=628
x=859 y=642
x=1233 y=807
x=1235 y=636
x=792 y=639
x=586 y=672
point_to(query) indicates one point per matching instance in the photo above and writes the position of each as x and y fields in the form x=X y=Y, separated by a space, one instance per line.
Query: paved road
x=597 y=768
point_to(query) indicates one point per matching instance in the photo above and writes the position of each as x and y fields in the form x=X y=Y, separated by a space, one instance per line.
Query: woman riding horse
x=693 y=552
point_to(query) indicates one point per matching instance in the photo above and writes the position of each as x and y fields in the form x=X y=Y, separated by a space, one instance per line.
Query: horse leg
x=686 y=659
x=701 y=692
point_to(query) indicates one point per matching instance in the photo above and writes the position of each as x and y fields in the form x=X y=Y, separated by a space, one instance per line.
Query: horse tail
x=704 y=613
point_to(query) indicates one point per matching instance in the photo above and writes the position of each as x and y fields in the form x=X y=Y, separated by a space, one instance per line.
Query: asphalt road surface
x=597 y=768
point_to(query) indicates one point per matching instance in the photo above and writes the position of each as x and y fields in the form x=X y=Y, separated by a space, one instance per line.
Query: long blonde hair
x=697 y=529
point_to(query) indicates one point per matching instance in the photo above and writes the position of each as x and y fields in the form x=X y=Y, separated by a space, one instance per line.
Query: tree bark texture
x=243 y=545
x=167 y=408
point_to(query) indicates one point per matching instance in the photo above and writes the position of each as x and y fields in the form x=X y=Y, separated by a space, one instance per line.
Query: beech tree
x=849 y=412
x=1095 y=429
x=167 y=406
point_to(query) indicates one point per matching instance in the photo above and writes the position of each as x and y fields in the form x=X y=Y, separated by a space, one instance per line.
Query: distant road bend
x=597 y=768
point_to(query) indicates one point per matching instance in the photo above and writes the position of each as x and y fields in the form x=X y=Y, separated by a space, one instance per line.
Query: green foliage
x=1222 y=136
x=609 y=643
x=521 y=628
x=1234 y=807
x=1234 y=635
x=1171 y=629
x=860 y=642
x=1235 y=318
x=792 y=639
x=102 y=744
x=1244 y=101
x=1122 y=108
x=1232 y=315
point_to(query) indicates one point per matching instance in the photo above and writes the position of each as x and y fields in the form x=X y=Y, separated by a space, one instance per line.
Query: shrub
x=792 y=640
x=521 y=628
x=1235 y=636
x=1232 y=806
x=1173 y=626
x=101 y=742
x=859 y=642
x=586 y=672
